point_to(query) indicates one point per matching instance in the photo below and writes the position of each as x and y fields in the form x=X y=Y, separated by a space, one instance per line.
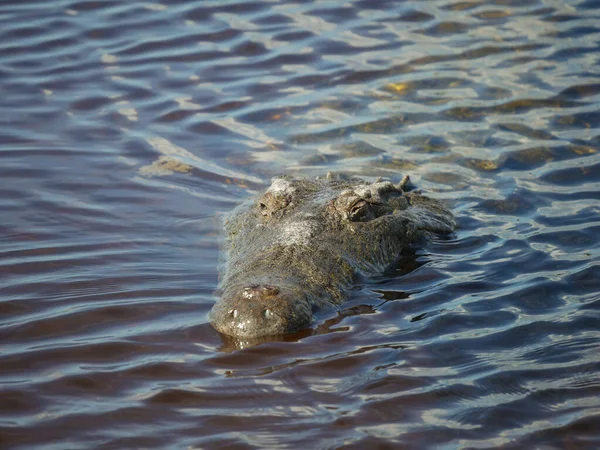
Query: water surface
x=129 y=128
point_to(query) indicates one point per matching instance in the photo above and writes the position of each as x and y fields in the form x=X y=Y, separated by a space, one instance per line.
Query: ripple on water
x=128 y=127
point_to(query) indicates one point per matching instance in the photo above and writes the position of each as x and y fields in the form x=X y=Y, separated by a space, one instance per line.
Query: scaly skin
x=302 y=244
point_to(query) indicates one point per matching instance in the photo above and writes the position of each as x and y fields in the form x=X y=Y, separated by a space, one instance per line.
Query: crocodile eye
x=360 y=207
x=360 y=211
x=270 y=203
x=233 y=313
x=365 y=210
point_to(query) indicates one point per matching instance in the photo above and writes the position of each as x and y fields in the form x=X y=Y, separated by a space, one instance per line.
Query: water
x=127 y=128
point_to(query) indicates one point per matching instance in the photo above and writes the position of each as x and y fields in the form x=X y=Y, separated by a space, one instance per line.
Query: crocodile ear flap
x=431 y=221
x=432 y=214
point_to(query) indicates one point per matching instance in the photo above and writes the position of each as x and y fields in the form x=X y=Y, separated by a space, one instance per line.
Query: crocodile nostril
x=234 y=313
x=267 y=313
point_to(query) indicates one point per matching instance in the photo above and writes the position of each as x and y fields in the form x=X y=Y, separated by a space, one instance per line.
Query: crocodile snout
x=260 y=309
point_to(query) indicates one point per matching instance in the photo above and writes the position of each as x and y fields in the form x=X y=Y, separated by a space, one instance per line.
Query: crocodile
x=303 y=243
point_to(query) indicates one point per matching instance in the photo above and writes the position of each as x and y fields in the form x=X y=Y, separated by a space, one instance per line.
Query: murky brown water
x=127 y=127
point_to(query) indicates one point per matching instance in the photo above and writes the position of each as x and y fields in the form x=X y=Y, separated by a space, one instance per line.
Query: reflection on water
x=128 y=128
